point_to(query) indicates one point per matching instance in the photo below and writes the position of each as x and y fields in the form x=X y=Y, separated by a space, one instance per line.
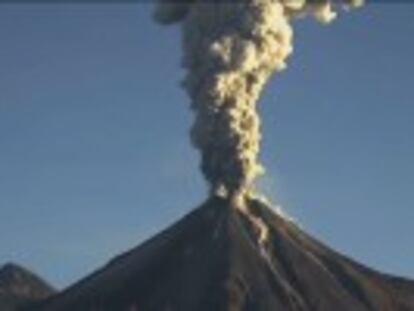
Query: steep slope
x=19 y=286
x=217 y=258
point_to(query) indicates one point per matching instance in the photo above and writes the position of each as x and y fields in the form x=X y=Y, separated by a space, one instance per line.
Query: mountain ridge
x=19 y=286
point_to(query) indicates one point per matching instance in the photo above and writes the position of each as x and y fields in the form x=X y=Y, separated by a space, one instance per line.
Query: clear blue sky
x=94 y=153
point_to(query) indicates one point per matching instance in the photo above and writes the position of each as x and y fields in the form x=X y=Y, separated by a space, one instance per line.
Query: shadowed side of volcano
x=215 y=259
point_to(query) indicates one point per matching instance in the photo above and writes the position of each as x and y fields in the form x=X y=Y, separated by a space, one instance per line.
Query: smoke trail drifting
x=231 y=50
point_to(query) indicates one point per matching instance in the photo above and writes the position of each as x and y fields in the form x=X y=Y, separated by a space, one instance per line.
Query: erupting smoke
x=231 y=50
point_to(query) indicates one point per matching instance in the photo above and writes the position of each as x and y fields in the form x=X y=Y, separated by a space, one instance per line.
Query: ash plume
x=231 y=50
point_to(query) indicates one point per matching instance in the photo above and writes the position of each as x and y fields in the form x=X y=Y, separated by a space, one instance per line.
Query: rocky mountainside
x=19 y=287
x=220 y=258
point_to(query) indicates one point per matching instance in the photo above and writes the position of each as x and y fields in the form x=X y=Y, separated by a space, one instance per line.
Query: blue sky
x=94 y=153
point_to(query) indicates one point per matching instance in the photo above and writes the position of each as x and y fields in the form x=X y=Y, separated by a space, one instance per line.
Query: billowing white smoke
x=231 y=50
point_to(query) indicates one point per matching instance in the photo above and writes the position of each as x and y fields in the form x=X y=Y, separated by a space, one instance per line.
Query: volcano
x=213 y=260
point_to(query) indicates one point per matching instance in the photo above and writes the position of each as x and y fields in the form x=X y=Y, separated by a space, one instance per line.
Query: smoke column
x=231 y=50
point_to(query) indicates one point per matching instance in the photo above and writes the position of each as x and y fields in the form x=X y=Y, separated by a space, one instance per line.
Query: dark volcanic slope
x=19 y=286
x=211 y=261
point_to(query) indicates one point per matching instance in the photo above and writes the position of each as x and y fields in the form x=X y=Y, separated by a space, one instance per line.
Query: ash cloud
x=231 y=50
